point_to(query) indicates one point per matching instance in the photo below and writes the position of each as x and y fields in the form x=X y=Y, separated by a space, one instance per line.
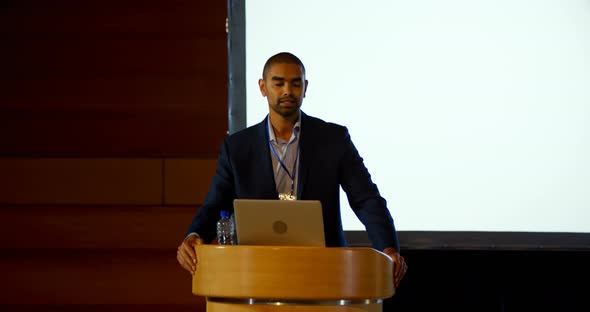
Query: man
x=291 y=155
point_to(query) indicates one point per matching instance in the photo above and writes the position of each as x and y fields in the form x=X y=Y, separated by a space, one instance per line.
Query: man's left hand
x=399 y=265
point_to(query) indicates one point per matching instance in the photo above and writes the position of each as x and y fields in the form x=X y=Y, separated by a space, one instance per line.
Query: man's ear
x=305 y=90
x=262 y=87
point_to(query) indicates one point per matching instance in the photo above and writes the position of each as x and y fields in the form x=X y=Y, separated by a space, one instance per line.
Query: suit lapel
x=266 y=180
x=306 y=141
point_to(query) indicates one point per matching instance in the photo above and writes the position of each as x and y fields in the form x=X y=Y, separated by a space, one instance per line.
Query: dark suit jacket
x=328 y=159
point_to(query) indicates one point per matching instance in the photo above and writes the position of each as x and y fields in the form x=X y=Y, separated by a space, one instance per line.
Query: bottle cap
x=224 y=213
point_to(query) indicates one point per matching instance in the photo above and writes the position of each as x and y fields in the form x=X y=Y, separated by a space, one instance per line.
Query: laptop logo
x=279 y=227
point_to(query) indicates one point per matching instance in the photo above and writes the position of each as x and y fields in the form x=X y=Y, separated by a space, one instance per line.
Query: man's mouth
x=288 y=102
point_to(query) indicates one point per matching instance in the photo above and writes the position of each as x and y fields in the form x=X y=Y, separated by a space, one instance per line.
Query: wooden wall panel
x=73 y=257
x=74 y=181
x=95 y=97
x=187 y=180
x=200 y=307
x=79 y=277
x=105 y=181
x=128 y=56
x=93 y=227
x=38 y=133
x=106 y=78
x=105 y=16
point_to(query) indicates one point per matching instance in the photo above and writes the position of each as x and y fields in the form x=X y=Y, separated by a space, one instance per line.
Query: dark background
x=111 y=117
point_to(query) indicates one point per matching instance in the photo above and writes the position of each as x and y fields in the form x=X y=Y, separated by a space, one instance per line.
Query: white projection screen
x=473 y=117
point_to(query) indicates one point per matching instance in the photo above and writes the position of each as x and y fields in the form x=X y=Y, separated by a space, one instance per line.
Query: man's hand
x=186 y=255
x=399 y=265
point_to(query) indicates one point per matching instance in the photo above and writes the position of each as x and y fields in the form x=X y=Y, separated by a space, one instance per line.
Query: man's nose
x=287 y=89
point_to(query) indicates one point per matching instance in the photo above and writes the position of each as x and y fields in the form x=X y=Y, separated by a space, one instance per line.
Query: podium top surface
x=285 y=272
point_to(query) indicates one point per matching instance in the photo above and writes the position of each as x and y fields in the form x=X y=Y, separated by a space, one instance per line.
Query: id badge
x=287 y=196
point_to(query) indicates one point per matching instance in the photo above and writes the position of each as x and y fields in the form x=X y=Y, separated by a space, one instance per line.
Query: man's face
x=284 y=88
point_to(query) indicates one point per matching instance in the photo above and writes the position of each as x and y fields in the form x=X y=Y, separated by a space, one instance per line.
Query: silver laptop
x=279 y=222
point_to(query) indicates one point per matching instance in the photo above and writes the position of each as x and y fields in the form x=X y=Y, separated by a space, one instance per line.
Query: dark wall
x=111 y=117
x=112 y=78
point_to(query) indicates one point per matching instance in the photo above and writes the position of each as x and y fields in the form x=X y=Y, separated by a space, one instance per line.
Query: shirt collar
x=294 y=135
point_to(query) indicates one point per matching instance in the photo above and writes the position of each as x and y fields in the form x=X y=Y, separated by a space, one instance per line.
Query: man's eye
x=279 y=84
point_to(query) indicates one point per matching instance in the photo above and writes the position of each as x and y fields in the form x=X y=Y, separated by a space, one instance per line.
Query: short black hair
x=282 y=58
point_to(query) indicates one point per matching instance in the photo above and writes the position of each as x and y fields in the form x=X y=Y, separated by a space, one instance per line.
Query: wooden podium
x=263 y=278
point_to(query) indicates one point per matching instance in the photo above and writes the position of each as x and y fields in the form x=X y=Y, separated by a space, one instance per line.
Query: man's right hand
x=186 y=255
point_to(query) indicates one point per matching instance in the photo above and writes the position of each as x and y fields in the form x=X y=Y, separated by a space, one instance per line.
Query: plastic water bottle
x=225 y=229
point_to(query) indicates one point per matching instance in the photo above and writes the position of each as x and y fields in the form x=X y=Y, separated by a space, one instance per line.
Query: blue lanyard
x=292 y=176
x=293 y=172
